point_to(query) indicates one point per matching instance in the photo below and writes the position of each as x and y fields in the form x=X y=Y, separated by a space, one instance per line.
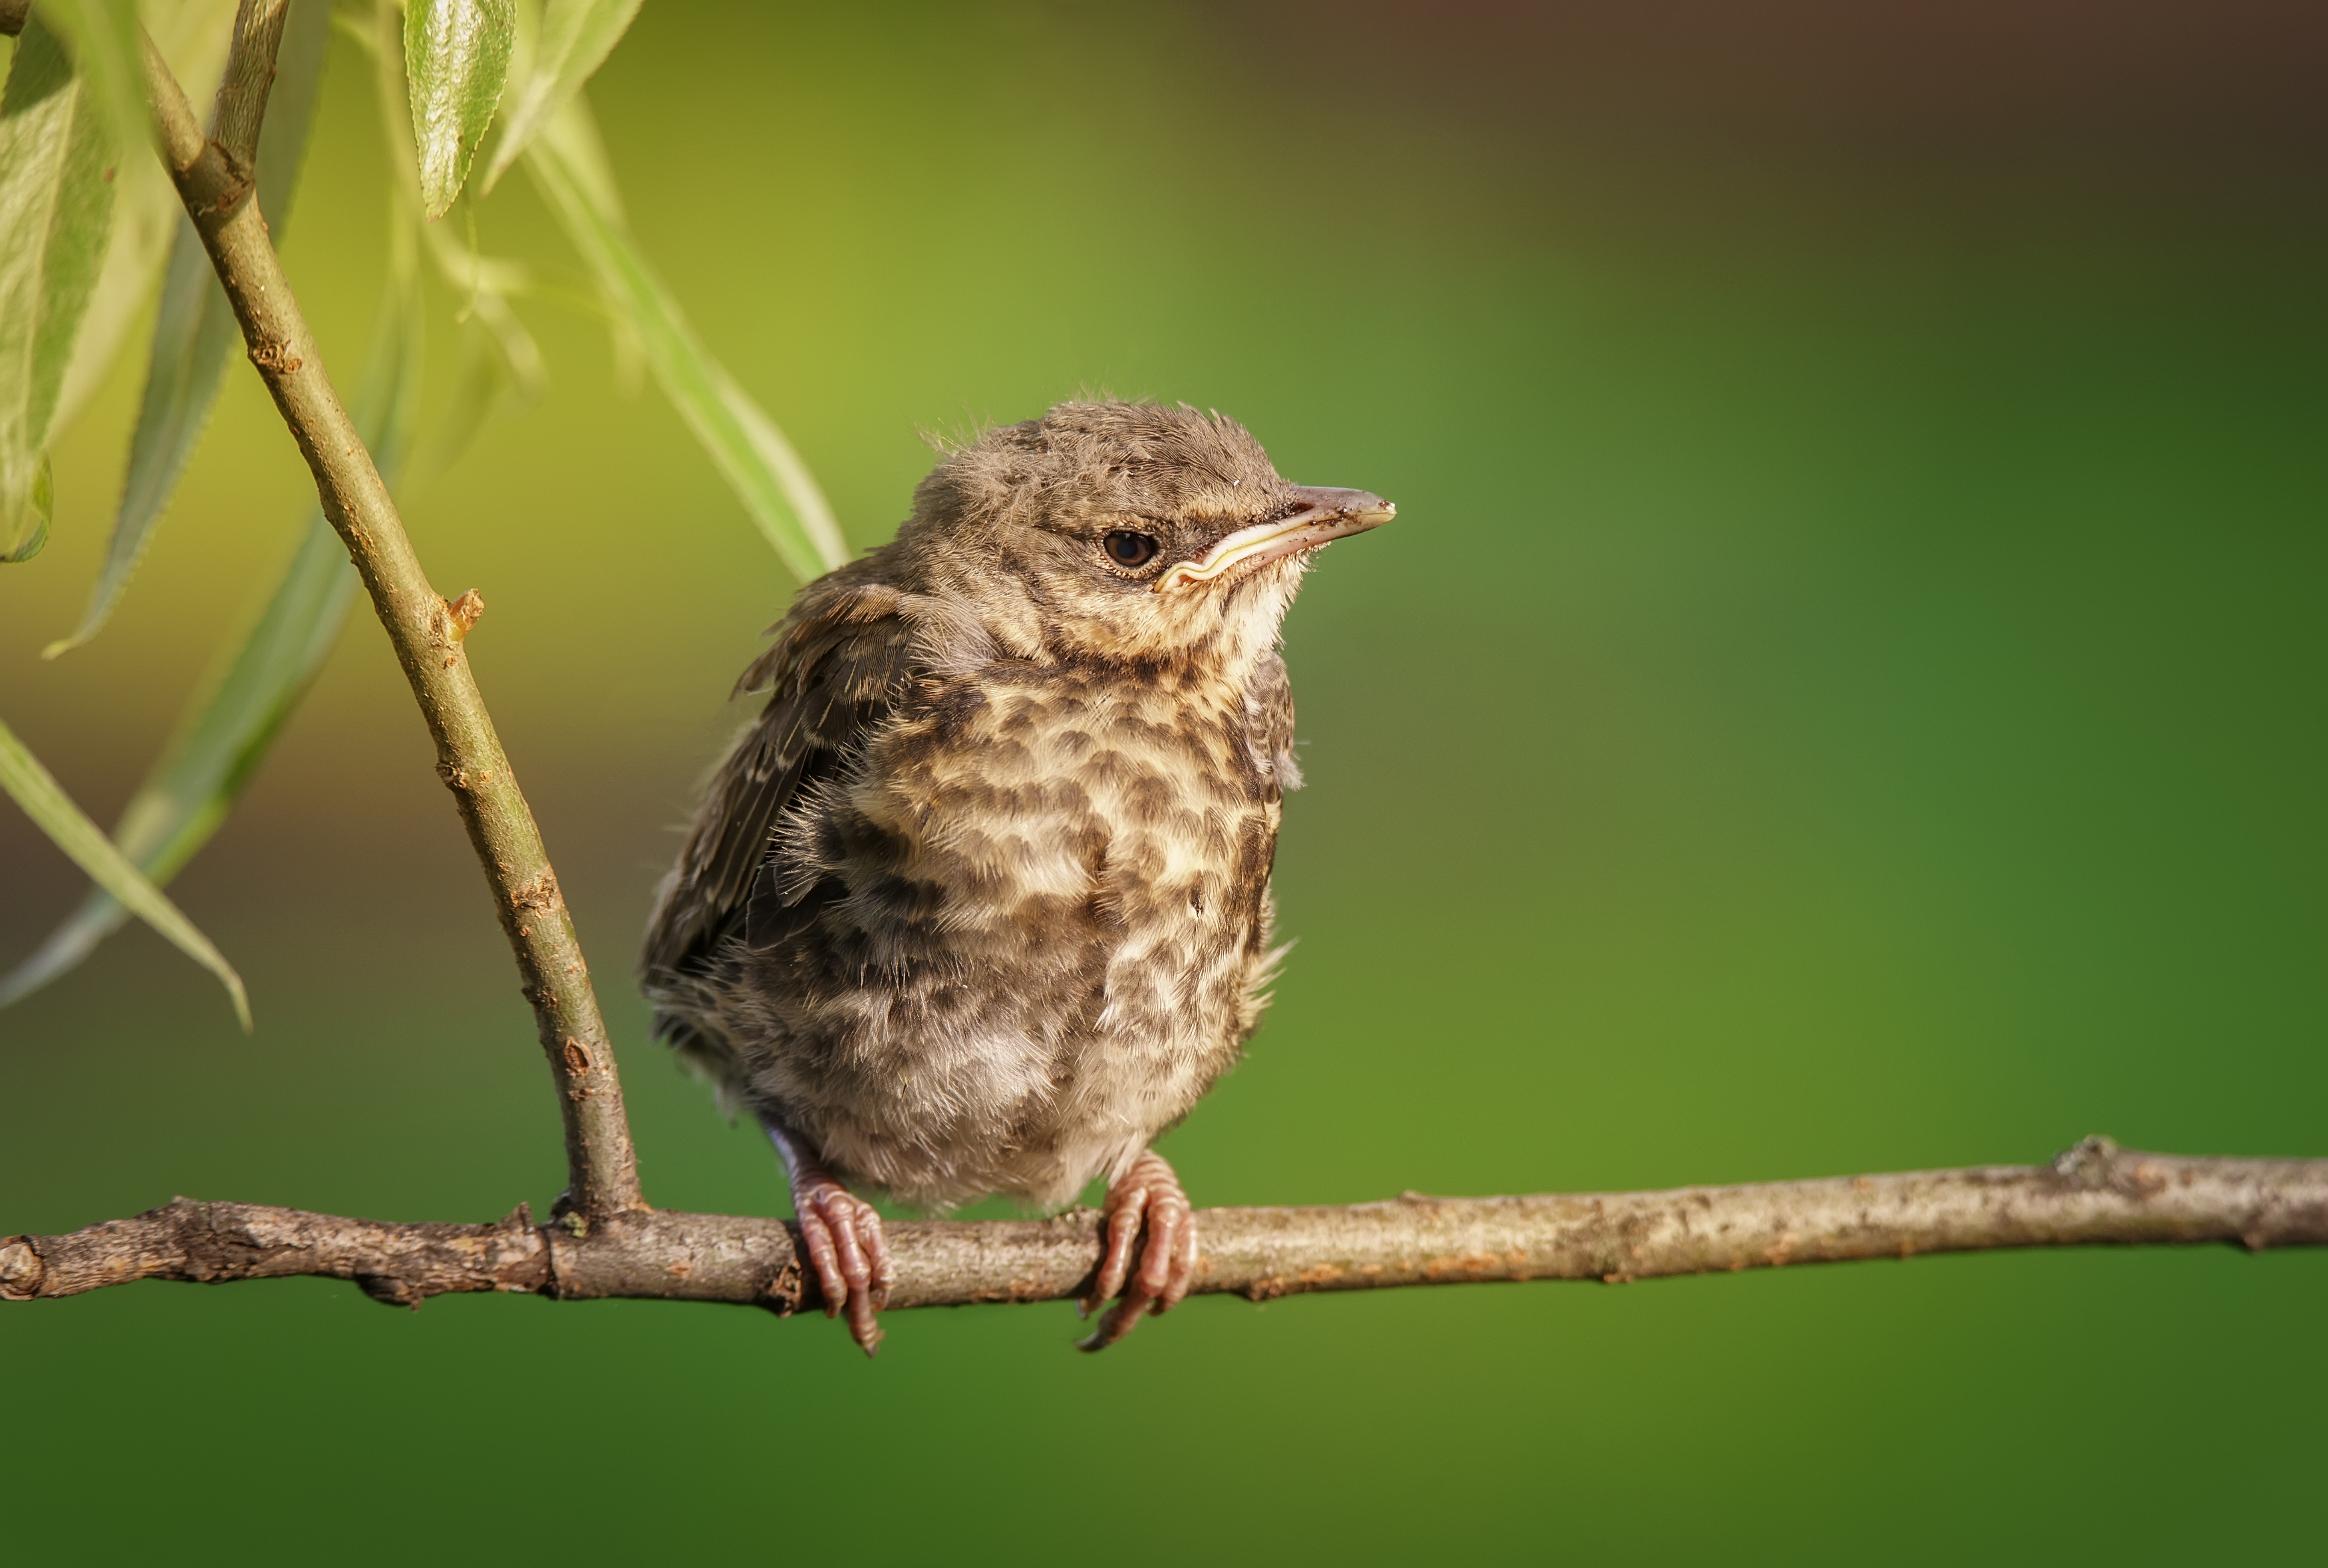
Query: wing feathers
x=838 y=662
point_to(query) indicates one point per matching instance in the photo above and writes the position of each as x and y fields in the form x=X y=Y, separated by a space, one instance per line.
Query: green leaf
x=101 y=36
x=233 y=719
x=500 y=365
x=39 y=503
x=56 y=204
x=145 y=214
x=576 y=36
x=193 y=37
x=569 y=163
x=31 y=786
x=195 y=332
x=457 y=55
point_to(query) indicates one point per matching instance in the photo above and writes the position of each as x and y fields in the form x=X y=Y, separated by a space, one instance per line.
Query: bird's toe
x=850 y=1253
x=1146 y=1212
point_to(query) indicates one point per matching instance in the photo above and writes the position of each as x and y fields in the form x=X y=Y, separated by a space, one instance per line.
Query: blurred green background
x=1844 y=692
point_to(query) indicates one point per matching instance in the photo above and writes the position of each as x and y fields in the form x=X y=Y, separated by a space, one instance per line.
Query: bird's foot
x=843 y=1238
x=1148 y=1195
x=851 y=1256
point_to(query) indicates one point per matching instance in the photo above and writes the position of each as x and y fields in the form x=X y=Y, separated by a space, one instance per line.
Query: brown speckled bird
x=979 y=904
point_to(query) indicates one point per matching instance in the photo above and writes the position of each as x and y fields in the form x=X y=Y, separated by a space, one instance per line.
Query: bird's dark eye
x=1126 y=548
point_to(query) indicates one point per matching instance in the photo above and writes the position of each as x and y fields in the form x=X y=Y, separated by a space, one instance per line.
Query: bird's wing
x=837 y=668
x=1268 y=720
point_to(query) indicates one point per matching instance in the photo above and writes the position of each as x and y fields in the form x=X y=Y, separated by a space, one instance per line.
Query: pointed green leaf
x=195 y=332
x=145 y=214
x=457 y=55
x=192 y=36
x=775 y=486
x=31 y=786
x=102 y=37
x=576 y=36
x=502 y=366
x=56 y=205
x=234 y=718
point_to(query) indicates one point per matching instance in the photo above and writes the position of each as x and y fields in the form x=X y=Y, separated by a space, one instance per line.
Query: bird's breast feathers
x=1042 y=930
x=1035 y=806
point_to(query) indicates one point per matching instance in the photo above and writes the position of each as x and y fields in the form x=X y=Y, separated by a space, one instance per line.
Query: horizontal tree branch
x=2095 y=1193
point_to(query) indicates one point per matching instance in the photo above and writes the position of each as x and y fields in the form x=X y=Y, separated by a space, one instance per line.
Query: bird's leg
x=1148 y=1194
x=843 y=1237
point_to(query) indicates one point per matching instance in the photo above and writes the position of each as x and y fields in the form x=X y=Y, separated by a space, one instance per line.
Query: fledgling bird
x=979 y=904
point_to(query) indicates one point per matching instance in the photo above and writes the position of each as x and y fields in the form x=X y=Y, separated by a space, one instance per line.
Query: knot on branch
x=2089 y=1163
x=275 y=357
x=2096 y=1164
x=389 y=1291
x=462 y=615
x=539 y=893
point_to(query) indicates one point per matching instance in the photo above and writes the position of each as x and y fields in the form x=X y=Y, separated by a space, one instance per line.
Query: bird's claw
x=1149 y=1197
x=842 y=1234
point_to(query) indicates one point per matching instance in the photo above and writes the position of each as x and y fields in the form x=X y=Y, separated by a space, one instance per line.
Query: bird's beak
x=1326 y=515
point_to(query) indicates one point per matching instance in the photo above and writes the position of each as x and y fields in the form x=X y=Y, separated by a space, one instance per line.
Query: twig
x=2095 y=1193
x=241 y=105
x=213 y=179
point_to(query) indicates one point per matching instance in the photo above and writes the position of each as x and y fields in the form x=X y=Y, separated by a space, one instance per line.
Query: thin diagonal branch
x=2095 y=1195
x=213 y=178
x=241 y=106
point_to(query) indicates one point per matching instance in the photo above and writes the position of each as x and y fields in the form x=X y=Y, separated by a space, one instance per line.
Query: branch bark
x=241 y=105
x=2096 y=1194
x=213 y=178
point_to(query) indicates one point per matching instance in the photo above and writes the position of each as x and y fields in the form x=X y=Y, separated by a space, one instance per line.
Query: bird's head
x=1124 y=531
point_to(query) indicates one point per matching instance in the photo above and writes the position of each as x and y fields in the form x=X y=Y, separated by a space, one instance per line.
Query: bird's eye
x=1126 y=548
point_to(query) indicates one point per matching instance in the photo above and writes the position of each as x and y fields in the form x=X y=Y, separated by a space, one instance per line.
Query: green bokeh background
x=1844 y=691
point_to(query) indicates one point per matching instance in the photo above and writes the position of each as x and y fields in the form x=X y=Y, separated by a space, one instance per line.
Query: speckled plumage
x=980 y=902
